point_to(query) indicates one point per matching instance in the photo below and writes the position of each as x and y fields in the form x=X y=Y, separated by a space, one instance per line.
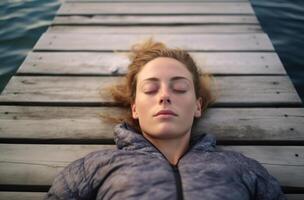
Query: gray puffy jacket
x=138 y=170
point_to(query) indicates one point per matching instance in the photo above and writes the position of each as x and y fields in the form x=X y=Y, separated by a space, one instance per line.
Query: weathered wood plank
x=196 y=42
x=231 y=90
x=157 y=20
x=105 y=63
x=86 y=123
x=156 y=8
x=22 y=195
x=26 y=164
x=185 y=29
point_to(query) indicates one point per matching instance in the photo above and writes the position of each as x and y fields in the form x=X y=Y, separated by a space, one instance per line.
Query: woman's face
x=165 y=102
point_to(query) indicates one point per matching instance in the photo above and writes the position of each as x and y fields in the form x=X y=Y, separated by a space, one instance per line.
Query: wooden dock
x=50 y=110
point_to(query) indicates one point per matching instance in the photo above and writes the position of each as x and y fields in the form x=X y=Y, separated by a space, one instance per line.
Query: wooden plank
x=156 y=20
x=85 y=123
x=22 y=195
x=195 y=42
x=185 y=29
x=105 y=63
x=253 y=124
x=26 y=164
x=93 y=8
x=231 y=90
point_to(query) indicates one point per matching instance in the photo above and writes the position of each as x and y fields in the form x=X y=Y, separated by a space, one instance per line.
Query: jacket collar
x=126 y=138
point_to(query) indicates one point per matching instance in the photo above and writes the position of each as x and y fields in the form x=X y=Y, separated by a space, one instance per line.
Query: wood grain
x=253 y=125
x=191 y=42
x=154 y=19
x=184 y=29
x=105 y=63
x=91 y=90
x=156 y=8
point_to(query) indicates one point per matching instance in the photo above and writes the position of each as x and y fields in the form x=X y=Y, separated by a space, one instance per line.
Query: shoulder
x=99 y=156
x=242 y=161
x=87 y=165
x=256 y=176
x=74 y=180
x=83 y=166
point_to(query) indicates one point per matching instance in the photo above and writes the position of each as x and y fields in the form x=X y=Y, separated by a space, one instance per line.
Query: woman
x=157 y=157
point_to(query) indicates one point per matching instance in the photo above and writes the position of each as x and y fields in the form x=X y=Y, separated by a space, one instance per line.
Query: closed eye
x=150 y=91
x=180 y=87
x=150 y=88
x=179 y=91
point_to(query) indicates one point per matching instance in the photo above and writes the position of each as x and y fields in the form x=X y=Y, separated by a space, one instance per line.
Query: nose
x=164 y=96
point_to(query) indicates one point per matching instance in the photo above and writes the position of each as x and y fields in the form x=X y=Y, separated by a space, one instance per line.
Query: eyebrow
x=154 y=79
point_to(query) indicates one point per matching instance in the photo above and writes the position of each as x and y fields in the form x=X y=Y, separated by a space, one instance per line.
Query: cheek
x=187 y=105
x=143 y=104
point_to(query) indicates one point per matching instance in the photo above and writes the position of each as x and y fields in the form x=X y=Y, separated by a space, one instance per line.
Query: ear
x=134 y=113
x=198 y=109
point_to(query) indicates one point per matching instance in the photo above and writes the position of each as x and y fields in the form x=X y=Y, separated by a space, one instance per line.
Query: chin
x=167 y=127
x=167 y=132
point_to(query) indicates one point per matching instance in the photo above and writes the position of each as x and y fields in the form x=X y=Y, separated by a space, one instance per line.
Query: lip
x=165 y=113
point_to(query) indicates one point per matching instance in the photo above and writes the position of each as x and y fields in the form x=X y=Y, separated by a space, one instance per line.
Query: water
x=23 y=21
x=283 y=21
x=21 y=24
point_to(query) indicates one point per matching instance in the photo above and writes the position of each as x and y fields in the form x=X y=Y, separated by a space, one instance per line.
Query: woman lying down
x=157 y=157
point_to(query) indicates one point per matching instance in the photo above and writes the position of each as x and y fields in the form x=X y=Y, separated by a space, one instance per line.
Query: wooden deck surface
x=50 y=110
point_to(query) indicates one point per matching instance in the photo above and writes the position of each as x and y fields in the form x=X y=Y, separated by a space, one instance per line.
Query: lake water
x=23 y=21
x=21 y=24
x=283 y=21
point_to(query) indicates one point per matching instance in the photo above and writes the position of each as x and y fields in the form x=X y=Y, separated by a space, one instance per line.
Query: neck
x=173 y=149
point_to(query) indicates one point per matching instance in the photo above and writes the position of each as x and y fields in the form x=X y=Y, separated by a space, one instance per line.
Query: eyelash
x=150 y=92
x=179 y=91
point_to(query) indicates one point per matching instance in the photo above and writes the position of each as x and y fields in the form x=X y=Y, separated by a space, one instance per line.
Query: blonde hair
x=124 y=93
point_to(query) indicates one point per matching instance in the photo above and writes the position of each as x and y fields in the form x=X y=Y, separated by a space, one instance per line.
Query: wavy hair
x=124 y=93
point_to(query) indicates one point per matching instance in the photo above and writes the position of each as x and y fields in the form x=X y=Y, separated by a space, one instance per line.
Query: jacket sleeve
x=69 y=183
x=266 y=186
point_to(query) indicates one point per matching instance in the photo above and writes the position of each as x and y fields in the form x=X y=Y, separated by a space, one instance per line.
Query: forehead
x=164 y=67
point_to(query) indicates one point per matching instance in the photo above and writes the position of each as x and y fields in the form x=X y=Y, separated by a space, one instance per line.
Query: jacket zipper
x=177 y=177
x=178 y=182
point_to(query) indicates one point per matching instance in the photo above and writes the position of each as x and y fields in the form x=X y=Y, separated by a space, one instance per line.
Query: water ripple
x=283 y=21
x=21 y=24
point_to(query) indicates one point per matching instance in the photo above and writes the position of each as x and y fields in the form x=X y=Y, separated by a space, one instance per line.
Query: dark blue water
x=23 y=21
x=283 y=21
x=21 y=24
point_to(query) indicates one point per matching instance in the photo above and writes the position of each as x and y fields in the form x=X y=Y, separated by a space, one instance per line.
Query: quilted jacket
x=138 y=170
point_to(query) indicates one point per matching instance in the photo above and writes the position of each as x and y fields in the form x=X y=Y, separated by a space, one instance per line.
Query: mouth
x=165 y=113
